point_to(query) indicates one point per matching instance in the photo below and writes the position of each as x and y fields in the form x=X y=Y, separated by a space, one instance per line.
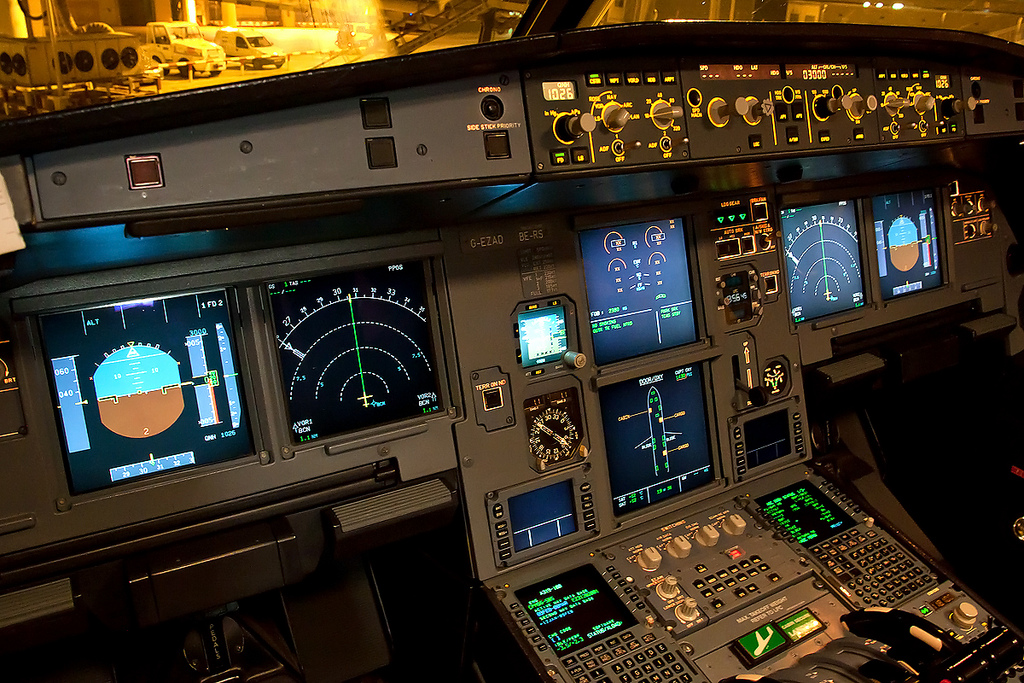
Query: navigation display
x=356 y=349
x=655 y=432
x=146 y=386
x=575 y=609
x=822 y=259
x=906 y=242
x=638 y=289
x=541 y=515
x=803 y=512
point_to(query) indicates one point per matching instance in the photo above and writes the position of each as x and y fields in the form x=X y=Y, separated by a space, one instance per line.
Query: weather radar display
x=638 y=289
x=822 y=259
x=356 y=349
x=906 y=241
x=146 y=386
x=655 y=432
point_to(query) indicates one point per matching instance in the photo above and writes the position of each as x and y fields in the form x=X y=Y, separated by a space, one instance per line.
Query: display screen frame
x=249 y=421
x=940 y=276
x=437 y=348
x=610 y=414
x=695 y=320
x=528 y=499
x=587 y=522
x=790 y=211
x=583 y=577
x=536 y=313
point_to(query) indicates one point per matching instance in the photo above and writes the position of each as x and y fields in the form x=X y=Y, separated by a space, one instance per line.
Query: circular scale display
x=822 y=260
x=356 y=349
x=555 y=428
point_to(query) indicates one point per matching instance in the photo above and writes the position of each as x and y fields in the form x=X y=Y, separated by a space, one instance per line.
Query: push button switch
x=380 y=153
x=376 y=112
x=496 y=145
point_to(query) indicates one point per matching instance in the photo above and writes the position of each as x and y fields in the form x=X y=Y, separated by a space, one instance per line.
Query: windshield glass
x=132 y=50
x=996 y=18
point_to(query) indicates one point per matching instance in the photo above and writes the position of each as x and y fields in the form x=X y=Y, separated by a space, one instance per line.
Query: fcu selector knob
x=708 y=536
x=893 y=103
x=669 y=588
x=734 y=525
x=614 y=116
x=825 y=106
x=965 y=615
x=569 y=127
x=679 y=547
x=687 y=610
x=951 y=107
x=649 y=559
x=858 y=105
x=663 y=113
x=923 y=103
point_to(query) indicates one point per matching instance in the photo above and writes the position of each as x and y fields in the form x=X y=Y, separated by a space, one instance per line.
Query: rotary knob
x=734 y=525
x=824 y=106
x=614 y=116
x=649 y=559
x=951 y=107
x=569 y=127
x=965 y=615
x=669 y=588
x=687 y=610
x=923 y=103
x=750 y=108
x=708 y=536
x=858 y=105
x=663 y=113
x=574 y=360
x=893 y=103
x=679 y=547
x=719 y=112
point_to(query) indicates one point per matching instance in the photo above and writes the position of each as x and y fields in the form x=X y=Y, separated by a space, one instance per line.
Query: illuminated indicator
x=800 y=625
x=906 y=242
x=760 y=644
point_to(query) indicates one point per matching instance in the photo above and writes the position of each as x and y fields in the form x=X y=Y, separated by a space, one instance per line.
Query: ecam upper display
x=638 y=289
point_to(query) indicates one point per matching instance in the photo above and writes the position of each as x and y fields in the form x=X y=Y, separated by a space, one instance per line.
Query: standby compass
x=554 y=429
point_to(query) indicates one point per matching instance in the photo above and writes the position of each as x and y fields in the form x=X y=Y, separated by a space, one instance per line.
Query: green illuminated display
x=800 y=625
x=804 y=513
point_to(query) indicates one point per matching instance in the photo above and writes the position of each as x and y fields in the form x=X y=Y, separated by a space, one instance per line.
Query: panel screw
x=63 y=505
x=384 y=451
x=503 y=79
x=421 y=150
x=245 y=147
x=58 y=178
x=508 y=420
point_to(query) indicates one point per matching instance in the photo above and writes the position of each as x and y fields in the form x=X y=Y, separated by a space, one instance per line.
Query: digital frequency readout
x=575 y=608
x=656 y=436
x=906 y=242
x=146 y=386
x=356 y=349
x=803 y=512
x=638 y=289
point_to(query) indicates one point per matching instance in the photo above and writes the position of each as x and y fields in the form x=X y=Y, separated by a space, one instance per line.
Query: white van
x=249 y=48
